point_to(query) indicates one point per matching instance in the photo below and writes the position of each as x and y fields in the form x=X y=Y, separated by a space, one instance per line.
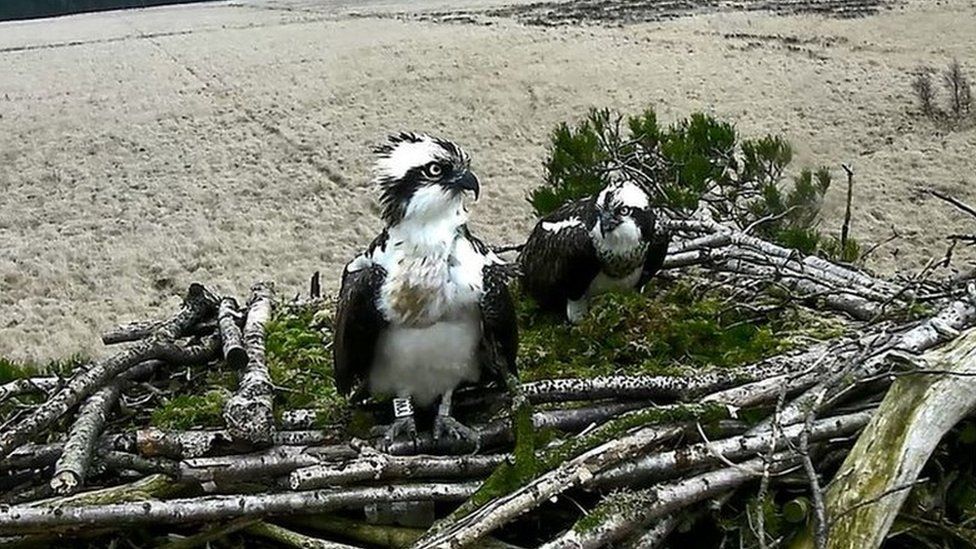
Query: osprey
x=588 y=246
x=426 y=307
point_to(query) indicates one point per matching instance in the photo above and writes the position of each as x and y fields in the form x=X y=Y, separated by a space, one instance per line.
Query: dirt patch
x=626 y=12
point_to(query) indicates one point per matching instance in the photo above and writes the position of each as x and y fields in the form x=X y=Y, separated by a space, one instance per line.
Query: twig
x=846 y=227
x=954 y=201
x=291 y=538
x=820 y=526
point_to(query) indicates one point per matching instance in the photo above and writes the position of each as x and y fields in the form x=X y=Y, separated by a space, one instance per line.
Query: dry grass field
x=229 y=142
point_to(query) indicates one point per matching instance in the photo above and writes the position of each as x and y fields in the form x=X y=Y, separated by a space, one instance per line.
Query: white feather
x=625 y=192
x=424 y=363
x=556 y=226
x=406 y=155
x=624 y=239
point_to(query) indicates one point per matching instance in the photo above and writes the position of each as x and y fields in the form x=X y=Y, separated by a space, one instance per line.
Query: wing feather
x=499 y=326
x=357 y=327
x=559 y=261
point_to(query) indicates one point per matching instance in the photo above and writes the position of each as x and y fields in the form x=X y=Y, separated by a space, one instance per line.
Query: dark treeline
x=29 y=9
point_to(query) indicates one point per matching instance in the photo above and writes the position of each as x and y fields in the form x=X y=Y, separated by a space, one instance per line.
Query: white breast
x=431 y=299
x=424 y=363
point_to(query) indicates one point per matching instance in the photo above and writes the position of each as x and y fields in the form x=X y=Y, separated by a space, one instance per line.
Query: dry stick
x=574 y=472
x=500 y=432
x=663 y=465
x=28 y=385
x=155 y=444
x=656 y=502
x=21 y=518
x=944 y=326
x=719 y=236
x=197 y=304
x=72 y=467
x=192 y=444
x=291 y=538
x=230 y=333
x=381 y=466
x=846 y=227
x=78 y=451
x=315 y=286
x=646 y=387
x=820 y=512
x=656 y=535
x=270 y=463
x=249 y=414
x=124 y=461
x=954 y=201
x=134 y=331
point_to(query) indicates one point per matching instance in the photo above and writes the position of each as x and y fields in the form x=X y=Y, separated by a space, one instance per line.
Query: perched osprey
x=426 y=307
x=592 y=245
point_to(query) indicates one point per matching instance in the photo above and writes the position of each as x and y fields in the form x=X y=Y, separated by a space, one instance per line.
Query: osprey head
x=422 y=177
x=620 y=205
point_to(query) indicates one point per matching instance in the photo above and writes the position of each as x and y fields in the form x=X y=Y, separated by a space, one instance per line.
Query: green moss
x=300 y=362
x=187 y=411
x=624 y=503
x=660 y=332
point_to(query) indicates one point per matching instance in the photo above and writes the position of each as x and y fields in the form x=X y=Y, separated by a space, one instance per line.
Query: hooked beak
x=608 y=222
x=469 y=182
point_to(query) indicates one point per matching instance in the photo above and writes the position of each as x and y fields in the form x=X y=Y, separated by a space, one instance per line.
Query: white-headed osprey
x=588 y=246
x=426 y=307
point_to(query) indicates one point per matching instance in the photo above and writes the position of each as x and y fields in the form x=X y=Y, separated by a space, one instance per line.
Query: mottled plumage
x=588 y=246
x=426 y=307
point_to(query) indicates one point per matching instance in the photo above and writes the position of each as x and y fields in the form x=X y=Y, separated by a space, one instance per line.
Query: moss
x=187 y=411
x=663 y=331
x=300 y=362
x=625 y=504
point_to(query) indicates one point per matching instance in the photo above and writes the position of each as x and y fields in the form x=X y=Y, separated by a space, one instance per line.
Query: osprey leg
x=447 y=426
x=403 y=422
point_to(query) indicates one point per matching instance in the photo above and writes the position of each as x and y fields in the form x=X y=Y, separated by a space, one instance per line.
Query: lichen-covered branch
x=21 y=518
x=628 y=512
x=571 y=473
x=249 y=414
x=72 y=467
x=380 y=466
x=29 y=385
x=648 y=387
x=193 y=444
x=668 y=464
x=230 y=334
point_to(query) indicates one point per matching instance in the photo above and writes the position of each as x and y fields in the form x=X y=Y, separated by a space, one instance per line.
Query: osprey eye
x=625 y=210
x=433 y=170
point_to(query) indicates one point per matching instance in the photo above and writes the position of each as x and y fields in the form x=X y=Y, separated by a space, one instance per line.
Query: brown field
x=142 y=150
